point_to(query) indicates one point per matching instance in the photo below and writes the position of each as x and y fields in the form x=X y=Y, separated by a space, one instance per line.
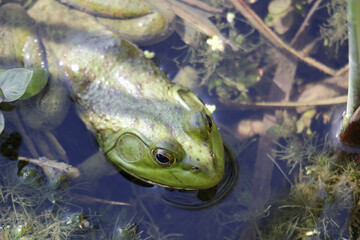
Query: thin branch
x=88 y=199
x=259 y=105
x=305 y=23
x=257 y=23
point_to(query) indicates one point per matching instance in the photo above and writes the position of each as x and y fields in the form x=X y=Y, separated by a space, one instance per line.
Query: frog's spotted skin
x=149 y=127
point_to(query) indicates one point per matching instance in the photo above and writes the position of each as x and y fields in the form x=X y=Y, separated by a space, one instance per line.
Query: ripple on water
x=204 y=198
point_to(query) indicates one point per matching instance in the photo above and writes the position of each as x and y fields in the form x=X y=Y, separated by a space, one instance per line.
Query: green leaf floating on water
x=38 y=81
x=14 y=82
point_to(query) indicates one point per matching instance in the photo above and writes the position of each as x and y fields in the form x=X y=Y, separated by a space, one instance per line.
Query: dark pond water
x=308 y=194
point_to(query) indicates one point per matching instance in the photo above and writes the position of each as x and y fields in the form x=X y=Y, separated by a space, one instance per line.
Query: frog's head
x=180 y=147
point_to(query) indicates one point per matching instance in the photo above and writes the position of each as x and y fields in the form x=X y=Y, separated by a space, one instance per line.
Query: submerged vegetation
x=225 y=73
x=335 y=31
x=19 y=83
x=33 y=207
x=36 y=205
x=324 y=195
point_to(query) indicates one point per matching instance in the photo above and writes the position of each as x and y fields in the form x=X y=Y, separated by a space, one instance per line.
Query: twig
x=256 y=105
x=342 y=70
x=49 y=165
x=88 y=199
x=257 y=23
x=305 y=22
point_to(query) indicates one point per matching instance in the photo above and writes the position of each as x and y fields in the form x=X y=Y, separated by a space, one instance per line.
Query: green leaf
x=279 y=6
x=2 y=122
x=38 y=82
x=2 y=96
x=13 y=83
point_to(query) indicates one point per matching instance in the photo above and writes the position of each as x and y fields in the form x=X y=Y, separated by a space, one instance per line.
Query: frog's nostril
x=195 y=168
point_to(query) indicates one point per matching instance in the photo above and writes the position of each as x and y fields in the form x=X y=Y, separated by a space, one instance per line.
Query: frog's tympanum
x=149 y=127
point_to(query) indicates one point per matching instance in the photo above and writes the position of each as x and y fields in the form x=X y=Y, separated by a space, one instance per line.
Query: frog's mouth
x=160 y=184
x=191 y=200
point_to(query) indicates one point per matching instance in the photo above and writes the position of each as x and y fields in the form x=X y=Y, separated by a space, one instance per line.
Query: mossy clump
x=324 y=195
x=31 y=209
x=335 y=31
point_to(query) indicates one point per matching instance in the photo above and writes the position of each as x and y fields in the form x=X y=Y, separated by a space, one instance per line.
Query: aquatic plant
x=333 y=31
x=34 y=207
x=29 y=207
x=350 y=122
x=322 y=202
x=226 y=73
x=37 y=205
x=354 y=55
x=20 y=83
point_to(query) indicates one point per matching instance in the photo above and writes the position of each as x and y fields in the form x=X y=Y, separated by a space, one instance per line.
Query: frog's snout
x=204 y=165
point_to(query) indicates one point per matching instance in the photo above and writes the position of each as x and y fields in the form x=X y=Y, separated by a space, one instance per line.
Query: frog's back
x=89 y=52
x=108 y=76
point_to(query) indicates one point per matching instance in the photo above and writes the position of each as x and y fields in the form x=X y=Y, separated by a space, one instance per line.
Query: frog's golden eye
x=163 y=157
x=208 y=122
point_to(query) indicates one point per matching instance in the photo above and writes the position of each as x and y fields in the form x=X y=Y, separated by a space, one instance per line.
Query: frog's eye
x=163 y=157
x=208 y=122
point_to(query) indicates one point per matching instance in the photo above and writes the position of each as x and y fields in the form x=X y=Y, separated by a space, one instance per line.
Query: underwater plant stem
x=350 y=125
x=89 y=199
x=354 y=44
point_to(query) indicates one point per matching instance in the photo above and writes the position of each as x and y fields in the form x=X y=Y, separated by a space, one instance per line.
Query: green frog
x=147 y=126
